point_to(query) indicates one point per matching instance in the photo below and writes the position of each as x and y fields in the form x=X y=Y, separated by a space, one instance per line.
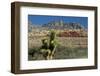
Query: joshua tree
x=49 y=46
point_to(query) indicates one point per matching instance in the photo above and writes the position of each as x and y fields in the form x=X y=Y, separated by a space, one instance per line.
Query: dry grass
x=63 y=41
x=67 y=47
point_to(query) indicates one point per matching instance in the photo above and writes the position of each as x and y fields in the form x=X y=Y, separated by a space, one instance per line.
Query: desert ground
x=67 y=47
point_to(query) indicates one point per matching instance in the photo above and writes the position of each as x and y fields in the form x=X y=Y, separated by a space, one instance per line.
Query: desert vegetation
x=62 y=43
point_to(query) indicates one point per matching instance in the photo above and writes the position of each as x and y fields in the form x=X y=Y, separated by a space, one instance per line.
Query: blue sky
x=43 y=19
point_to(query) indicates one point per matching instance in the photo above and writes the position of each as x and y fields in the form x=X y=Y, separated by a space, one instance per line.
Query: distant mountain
x=61 y=25
x=73 y=29
x=32 y=26
x=56 y=25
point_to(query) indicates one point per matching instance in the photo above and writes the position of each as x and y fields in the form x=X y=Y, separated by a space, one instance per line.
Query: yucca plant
x=49 y=45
